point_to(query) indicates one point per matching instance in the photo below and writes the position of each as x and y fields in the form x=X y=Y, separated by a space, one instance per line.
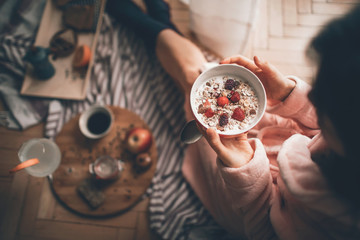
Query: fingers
x=242 y=61
x=242 y=137
x=201 y=128
x=263 y=65
x=213 y=139
x=266 y=67
x=258 y=61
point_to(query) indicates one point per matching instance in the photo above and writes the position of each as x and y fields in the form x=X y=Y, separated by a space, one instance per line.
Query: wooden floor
x=29 y=211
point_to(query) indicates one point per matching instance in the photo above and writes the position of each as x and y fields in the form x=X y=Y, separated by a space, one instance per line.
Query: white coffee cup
x=96 y=122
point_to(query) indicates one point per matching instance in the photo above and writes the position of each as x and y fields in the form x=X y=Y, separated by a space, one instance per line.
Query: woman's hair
x=336 y=95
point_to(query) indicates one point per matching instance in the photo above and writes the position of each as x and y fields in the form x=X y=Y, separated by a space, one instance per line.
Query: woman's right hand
x=276 y=85
x=233 y=152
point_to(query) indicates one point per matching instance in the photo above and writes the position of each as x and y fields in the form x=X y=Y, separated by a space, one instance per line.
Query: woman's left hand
x=234 y=152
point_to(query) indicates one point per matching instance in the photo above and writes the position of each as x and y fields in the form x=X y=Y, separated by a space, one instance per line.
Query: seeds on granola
x=229 y=104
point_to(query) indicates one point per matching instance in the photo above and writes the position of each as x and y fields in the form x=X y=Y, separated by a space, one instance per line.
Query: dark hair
x=336 y=95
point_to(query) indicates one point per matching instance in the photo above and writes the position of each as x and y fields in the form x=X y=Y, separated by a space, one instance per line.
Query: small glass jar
x=106 y=168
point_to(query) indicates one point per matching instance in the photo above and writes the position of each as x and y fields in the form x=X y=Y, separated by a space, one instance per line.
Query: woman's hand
x=233 y=152
x=277 y=86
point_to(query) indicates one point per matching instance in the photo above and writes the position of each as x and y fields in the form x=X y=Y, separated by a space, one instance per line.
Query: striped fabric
x=23 y=112
x=13 y=49
x=125 y=75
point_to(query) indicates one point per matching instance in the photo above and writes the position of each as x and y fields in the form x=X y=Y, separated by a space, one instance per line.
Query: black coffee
x=98 y=122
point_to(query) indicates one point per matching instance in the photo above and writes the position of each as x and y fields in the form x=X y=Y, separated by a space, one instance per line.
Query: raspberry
x=238 y=114
x=222 y=101
x=223 y=120
x=229 y=84
x=235 y=97
x=209 y=113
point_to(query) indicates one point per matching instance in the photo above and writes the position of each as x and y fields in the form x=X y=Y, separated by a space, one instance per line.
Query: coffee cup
x=96 y=122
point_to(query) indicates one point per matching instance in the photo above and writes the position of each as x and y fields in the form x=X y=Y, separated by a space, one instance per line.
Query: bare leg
x=180 y=58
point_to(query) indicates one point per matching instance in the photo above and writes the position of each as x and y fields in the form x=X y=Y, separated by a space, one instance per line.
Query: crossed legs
x=179 y=57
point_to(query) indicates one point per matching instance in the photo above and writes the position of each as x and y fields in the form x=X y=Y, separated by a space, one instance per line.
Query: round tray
x=78 y=152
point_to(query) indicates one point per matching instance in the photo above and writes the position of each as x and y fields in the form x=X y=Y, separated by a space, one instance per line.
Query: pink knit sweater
x=280 y=193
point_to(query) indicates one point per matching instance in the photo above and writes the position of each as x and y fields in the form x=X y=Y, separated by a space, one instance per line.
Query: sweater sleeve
x=302 y=199
x=250 y=190
x=297 y=106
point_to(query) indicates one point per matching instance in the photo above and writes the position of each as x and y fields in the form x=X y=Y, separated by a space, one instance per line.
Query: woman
x=298 y=179
x=295 y=175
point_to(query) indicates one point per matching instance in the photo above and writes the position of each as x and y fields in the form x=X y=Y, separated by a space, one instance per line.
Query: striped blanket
x=123 y=75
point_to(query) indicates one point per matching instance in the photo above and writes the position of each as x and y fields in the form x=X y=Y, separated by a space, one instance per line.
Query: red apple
x=143 y=160
x=138 y=140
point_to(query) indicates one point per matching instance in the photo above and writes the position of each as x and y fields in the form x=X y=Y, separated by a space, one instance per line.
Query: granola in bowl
x=227 y=103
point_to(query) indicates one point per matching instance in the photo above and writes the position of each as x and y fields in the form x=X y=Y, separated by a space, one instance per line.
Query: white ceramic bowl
x=235 y=71
x=84 y=118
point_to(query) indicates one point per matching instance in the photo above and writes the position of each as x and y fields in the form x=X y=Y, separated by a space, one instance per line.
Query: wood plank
x=290 y=12
x=9 y=159
x=143 y=231
x=280 y=56
x=69 y=231
x=31 y=206
x=25 y=238
x=142 y=206
x=295 y=44
x=47 y=203
x=343 y=1
x=12 y=139
x=304 y=6
x=331 y=8
x=275 y=18
x=303 y=32
x=125 y=234
x=5 y=189
x=314 y=20
x=22 y=237
x=125 y=220
x=13 y=208
x=297 y=70
x=261 y=27
x=31 y=131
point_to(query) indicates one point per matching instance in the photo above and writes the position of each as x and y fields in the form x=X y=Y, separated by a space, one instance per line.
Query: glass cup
x=43 y=149
x=106 y=168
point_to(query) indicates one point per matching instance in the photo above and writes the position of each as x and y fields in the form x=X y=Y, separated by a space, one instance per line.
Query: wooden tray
x=66 y=83
x=78 y=152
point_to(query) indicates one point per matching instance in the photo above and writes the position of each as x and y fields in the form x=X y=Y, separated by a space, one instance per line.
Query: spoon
x=190 y=133
x=25 y=164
